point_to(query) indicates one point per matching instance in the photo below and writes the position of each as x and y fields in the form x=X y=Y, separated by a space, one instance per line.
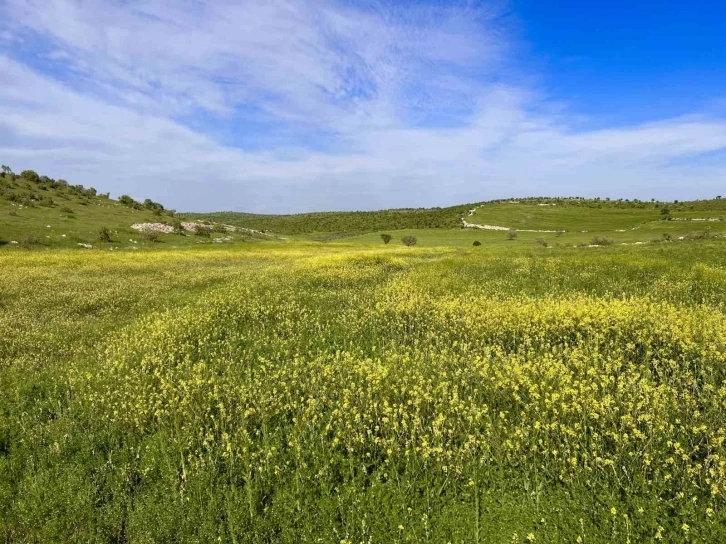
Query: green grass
x=53 y=217
x=342 y=222
x=350 y=391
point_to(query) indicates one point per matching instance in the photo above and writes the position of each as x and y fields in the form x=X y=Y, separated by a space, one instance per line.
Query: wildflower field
x=364 y=394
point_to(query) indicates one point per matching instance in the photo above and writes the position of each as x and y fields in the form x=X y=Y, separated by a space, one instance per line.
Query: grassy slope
x=343 y=222
x=48 y=223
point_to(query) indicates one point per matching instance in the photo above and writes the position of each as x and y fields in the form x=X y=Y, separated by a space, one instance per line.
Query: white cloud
x=103 y=93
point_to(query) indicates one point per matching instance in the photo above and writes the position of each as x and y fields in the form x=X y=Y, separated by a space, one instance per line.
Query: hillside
x=39 y=211
x=343 y=222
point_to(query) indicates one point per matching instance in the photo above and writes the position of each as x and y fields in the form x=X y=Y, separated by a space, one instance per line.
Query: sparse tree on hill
x=30 y=175
x=386 y=238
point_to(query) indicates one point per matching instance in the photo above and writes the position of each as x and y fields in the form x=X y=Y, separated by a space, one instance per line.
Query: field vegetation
x=306 y=392
x=361 y=377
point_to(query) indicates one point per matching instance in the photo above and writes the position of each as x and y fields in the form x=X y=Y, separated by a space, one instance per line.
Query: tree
x=409 y=240
x=30 y=175
x=6 y=169
x=386 y=238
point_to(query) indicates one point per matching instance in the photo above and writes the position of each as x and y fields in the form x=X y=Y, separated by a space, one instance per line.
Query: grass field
x=319 y=385
x=348 y=392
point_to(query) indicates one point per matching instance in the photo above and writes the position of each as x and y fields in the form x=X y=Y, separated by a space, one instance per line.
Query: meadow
x=349 y=392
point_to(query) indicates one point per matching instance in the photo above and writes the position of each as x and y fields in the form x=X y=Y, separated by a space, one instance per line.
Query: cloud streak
x=349 y=107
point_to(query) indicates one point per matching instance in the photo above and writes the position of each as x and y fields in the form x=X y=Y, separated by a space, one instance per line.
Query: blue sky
x=300 y=105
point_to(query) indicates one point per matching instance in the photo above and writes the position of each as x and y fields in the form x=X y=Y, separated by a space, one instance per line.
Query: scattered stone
x=87 y=246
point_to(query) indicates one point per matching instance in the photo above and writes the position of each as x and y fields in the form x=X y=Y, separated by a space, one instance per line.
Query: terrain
x=313 y=385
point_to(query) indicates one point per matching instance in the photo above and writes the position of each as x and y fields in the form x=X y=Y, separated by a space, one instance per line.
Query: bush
x=203 y=231
x=601 y=241
x=220 y=228
x=178 y=228
x=13 y=213
x=476 y=243
x=667 y=237
x=409 y=240
x=512 y=234
x=66 y=209
x=386 y=238
x=104 y=235
x=541 y=242
x=151 y=235
x=28 y=241
x=30 y=175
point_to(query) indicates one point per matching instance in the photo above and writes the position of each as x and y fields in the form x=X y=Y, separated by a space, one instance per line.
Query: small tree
x=409 y=240
x=386 y=238
x=30 y=175
x=104 y=235
x=665 y=213
x=512 y=234
x=151 y=235
x=203 y=231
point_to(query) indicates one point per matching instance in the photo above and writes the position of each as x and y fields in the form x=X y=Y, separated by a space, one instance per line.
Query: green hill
x=343 y=222
x=38 y=211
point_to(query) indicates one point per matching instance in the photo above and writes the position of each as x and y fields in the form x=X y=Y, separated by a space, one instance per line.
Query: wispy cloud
x=358 y=105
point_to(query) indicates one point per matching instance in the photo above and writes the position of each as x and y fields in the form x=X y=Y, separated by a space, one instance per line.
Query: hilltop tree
x=30 y=175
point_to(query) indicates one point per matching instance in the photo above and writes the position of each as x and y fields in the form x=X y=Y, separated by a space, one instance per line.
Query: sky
x=283 y=106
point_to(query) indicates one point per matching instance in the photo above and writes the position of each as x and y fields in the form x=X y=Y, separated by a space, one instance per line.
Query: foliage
x=303 y=394
x=602 y=241
x=409 y=240
x=512 y=234
x=203 y=231
x=386 y=238
x=28 y=241
x=339 y=222
x=104 y=234
x=476 y=243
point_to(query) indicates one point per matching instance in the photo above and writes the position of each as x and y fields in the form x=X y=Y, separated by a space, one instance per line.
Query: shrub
x=601 y=241
x=476 y=243
x=13 y=213
x=541 y=242
x=30 y=175
x=151 y=235
x=178 y=228
x=28 y=241
x=409 y=240
x=512 y=234
x=66 y=209
x=386 y=238
x=104 y=235
x=203 y=231
x=220 y=228
x=667 y=237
